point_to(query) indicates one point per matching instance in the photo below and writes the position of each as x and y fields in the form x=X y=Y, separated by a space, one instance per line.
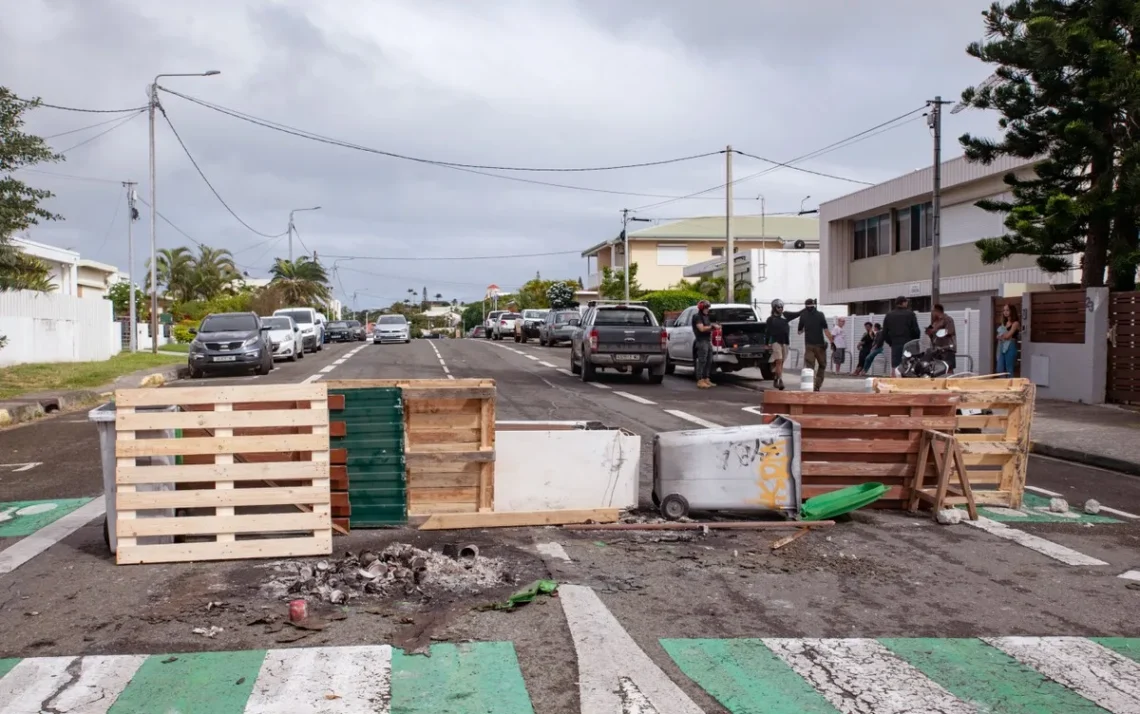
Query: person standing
x=900 y=326
x=839 y=344
x=813 y=326
x=939 y=320
x=1007 y=333
x=865 y=343
x=702 y=337
x=779 y=337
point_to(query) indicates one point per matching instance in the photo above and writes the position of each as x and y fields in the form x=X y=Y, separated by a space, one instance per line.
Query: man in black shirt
x=702 y=338
x=778 y=334
x=813 y=326
x=900 y=326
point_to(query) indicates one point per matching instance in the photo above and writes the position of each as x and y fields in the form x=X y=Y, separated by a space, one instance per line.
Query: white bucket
x=807 y=379
x=869 y=384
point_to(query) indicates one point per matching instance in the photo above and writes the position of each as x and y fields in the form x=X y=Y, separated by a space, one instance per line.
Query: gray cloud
x=511 y=82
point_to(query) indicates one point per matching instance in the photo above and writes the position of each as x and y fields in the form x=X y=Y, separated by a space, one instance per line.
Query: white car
x=505 y=325
x=311 y=323
x=391 y=328
x=285 y=336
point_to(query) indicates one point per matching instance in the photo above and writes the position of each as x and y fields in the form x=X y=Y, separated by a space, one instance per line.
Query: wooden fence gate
x=1123 y=384
x=999 y=303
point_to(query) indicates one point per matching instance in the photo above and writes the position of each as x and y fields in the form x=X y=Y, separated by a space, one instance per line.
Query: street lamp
x=295 y=210
x=151 y=106
x=802 y=204
x=625 y=221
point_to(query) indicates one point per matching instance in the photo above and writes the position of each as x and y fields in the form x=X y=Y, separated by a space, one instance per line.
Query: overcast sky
x=556 y=83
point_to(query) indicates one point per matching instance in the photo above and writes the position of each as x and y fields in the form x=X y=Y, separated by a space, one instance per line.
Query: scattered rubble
x=212 y=631
x=1058 y=505
x=1092 y=506
x=950 y=516
x=399 y=569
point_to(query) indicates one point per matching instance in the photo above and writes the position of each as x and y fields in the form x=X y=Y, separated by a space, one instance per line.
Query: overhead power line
x=786 y=165
x=103 y=133
x=466 y=257
x=70 y=176
x=82 y=128
x=77 y=109
x=210 y=185
x=183 y=233
x=434 y=162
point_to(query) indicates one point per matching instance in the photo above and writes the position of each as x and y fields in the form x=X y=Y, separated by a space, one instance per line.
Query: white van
x=311 y=323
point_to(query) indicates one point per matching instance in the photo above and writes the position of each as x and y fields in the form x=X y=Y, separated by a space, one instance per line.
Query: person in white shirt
x=838 y=344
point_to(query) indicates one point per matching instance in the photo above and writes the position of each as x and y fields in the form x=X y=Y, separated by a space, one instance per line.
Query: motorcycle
x=929 y=364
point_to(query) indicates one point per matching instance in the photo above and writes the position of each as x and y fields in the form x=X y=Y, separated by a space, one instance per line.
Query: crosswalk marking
x=324 y=680
x=66 y=684
x=1089 y=669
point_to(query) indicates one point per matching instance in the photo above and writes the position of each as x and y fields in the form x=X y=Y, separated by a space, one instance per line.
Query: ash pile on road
x=398 y=570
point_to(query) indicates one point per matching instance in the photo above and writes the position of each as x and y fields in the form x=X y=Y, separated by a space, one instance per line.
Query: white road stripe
x=1130 y=575
x=694 y=419
x=862 y=675
x=326 y=370
x=1116 y=512
x=29 y=467
x=29 y=547
x=635 y=398
x=40 y=684
x=554 y=550
x=531 y=357
x=567 y=372
x=595 y=385
x=607 y=655
x=311 y=378
x=1092 y=671
x=1042 y=491
x=340 y=361
x=547 y=364
x=1068 y=556
x=296 y=681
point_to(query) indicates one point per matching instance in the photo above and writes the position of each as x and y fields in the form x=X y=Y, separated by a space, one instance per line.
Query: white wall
x=788 y=275
x=47 y=327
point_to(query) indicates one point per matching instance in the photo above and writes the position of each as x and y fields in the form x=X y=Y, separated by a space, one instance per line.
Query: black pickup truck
x=625 y=338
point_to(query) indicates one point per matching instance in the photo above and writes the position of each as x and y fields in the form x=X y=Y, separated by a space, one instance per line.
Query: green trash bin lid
x=829 y=505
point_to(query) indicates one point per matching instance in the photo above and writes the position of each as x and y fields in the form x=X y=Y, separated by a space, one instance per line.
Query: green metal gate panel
x=374 y=440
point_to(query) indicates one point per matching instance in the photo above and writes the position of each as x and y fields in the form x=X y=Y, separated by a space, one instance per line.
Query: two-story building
x=875 y=244
x=661 y=252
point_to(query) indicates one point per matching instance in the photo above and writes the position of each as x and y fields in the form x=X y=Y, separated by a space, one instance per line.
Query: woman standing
x=1007 y=333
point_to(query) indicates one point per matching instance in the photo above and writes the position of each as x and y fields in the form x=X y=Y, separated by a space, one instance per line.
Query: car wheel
x=195 y=373
x=674 y=507
x=766 y=370
x=574 y=368
x=541 y=341
x=670 y=366
x=293 y=357
x=589 y=372
x=656 y=377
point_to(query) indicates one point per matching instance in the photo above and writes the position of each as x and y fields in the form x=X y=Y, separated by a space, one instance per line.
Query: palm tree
x=25 y=272
x=214 y=271
x=439 y=296
x=175 y=271
x=302 y=282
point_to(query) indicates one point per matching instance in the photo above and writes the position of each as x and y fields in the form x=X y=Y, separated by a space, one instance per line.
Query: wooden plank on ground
x=518 y=519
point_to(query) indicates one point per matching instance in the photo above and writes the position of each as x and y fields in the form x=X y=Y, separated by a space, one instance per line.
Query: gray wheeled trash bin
x=104 y=418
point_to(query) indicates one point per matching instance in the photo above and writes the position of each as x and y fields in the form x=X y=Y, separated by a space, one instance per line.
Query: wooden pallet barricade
x=855 y=438
x=449 y=442
x=995 y=444
x=255 y=492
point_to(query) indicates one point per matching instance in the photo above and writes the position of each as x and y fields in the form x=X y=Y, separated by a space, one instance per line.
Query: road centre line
x=635 y=398
x=442 y=364
x=547 y=364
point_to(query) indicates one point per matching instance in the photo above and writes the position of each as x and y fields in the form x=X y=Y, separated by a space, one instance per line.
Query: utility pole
x=151 y=105
x=625 y=221
x=132 y=216
x=730 y=248
x=934 y=120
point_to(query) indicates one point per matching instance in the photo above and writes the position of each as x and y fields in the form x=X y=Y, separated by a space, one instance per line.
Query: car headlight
x=197 y=346
x=251 y=342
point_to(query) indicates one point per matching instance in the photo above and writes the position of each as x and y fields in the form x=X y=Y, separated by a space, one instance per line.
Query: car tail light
x=717 y=337
x=593 y=339
x=664 y=340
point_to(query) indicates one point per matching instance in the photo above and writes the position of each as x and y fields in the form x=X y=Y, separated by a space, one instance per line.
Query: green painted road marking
x=6 y=665
x=200 y=682
x=459 y=679
x=23 y=518
x=1032 y=504
x=983 y=675
x=745 y=676
x=1124 y=646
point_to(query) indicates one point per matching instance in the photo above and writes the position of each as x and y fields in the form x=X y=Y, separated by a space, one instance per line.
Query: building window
x=873 y=237
x=718 y=252
x=672 y=255
x=914 y=229
x=902 y=230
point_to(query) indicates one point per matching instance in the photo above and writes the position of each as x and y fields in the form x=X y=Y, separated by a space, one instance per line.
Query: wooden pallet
x=854 y=438
x=995 y=446
x=245 y=496
x=449 y=442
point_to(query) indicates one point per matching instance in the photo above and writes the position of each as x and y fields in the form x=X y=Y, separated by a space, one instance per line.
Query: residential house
x=63 y=264
x=94 y=279
x=661 y=252
x=875 y=244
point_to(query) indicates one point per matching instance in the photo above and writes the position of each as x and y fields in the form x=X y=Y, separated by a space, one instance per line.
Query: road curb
x=1110 y=463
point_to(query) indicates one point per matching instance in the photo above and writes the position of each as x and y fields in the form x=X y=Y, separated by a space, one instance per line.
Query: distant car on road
x=491 y=321
x=528 y=326
x=230 y=342
x=346 y=331
x=391 y=328
x=285 y=338
x=505 y=325
x=478 y=331
x=625 y=338
x=556 y=327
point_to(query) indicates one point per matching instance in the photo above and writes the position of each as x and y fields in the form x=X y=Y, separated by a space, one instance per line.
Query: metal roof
x=710 y=228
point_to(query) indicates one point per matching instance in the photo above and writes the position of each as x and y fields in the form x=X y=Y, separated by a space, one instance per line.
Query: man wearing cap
x=702 y=336
x=813 y=326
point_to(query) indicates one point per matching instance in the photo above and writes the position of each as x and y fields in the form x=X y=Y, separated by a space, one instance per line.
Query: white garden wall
x=48 y=327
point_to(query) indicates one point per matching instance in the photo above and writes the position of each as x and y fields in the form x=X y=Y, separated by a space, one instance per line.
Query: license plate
x=231 y=358
x=628 y=358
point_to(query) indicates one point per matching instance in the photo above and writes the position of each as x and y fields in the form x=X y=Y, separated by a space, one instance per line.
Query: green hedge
x=663 y=301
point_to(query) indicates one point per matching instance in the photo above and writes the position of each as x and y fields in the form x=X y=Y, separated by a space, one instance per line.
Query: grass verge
x=175 y=347
x=30 y=378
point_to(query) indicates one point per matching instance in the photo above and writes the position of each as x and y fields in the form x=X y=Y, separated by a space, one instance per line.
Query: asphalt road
x=877 y=575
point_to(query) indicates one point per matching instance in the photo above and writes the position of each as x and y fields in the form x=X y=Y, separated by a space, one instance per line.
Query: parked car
x=527 y=327
x=311 y=323
x=479 y=331
x=505 y=325
x=625 y=338
x=491 y=321
x=285 y=338
x=391 y=328
x=230 y=342
x=556 y=327
x=739 y=341
x=345 y=331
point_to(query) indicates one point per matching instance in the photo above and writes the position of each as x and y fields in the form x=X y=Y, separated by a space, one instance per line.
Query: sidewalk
x=1104 y=436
